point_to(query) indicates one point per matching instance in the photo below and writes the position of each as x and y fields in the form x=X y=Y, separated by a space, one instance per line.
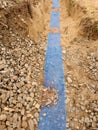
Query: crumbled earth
x=49 y=97
x=7 y=3
x=80 y=56
x=21 y=67
x=20 y=82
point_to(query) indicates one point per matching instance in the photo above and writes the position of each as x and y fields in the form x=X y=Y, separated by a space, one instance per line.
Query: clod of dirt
x=89 y=28
x=49 y=97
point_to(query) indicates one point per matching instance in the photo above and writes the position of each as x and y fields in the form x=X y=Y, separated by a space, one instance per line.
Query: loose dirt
x=22 y=55
x=80 y=54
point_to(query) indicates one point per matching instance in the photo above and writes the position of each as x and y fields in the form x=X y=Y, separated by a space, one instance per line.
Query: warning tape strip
x=54 y=117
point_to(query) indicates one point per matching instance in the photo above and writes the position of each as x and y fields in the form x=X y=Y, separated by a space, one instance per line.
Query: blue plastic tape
x=55 y=118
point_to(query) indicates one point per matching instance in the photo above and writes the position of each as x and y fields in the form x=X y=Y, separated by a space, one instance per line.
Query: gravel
x=82 y=85
x=21 y=72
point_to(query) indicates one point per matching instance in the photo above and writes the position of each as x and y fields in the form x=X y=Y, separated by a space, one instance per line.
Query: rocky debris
x=21 y=63
x=24 y=124
x=2 y=65
x=3 y=117
x=92 y=111
x=21 y=72
x=49 y=97
x=69 y=80
x=82 y=84
x=88 y=120
x=31 y=124
x=79 y=35
x=92 y=65
x=8 y=3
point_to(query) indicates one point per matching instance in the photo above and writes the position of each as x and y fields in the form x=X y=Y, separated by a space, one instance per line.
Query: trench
x=23 y=40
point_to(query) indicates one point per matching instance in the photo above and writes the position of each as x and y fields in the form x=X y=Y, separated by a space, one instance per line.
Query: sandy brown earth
x=22 y=56
x=80 y=55
x=24 y=26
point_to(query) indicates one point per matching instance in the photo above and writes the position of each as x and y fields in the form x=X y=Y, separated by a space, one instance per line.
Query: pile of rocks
x=21 y=73
x=91 y=121
x=82 y=85
x=93 y=65
x=7 y=3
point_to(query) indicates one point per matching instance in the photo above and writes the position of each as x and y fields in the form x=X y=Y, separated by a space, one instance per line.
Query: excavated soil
x=79 y=35
x=23 y=26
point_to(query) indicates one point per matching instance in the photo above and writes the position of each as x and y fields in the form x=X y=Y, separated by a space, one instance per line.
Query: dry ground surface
x=79 y=35
x=22 y=56
x=24 y=26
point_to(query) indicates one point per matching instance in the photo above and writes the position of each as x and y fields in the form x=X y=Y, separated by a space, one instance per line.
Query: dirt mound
x=80 y=54
x=25 y=17
x=15 y=23
x=22 y=53
x=85 y=15
x=89 y=28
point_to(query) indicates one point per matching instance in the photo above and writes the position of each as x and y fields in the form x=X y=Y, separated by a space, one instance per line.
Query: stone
x=37 y=106
x=4 y=97
x=32 y=95
x=35 y=121
x=31 y=124
x=69 y=80
x=3 y=117
x=87 y=120
x=15 y=78
x=94 y=124
x=29 y=99
x=34 y=83
x=14 y=101
x=36 y=115
x=5 y=3
x=24 y=118
x=24 y=124
x=23 y=111
x=21 y=83
x=6 y=108
x=2 y=65
x=67 y=100
x=82 y=108
x=15 y=124
x=64 y=51
x=29 y=115
x=15 y=117
x=8 y=123
x=19 y=105
x=19 y=122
